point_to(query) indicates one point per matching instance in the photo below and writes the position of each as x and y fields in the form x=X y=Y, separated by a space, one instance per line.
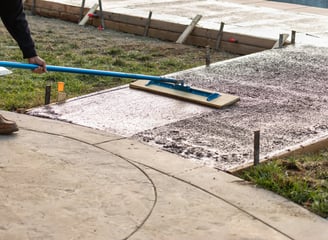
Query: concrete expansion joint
x=189 y=170
x=108 y=141
x=202 y=189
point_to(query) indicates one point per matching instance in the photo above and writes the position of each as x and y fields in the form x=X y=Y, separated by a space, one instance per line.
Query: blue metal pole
x=52 y=68
x=160 y=81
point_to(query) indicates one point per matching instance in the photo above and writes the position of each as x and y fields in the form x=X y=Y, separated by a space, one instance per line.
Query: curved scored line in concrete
x=58 y=193
x=189 y=204
x=198 y=188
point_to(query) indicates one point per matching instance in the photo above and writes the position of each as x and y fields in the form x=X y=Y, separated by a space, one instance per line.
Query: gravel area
x=283 y=94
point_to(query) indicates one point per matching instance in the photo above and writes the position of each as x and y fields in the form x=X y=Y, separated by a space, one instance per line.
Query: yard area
x=303 y=179
x=67 y=44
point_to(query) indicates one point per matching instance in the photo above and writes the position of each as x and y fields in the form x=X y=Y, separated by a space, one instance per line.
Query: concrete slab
x=56 y=186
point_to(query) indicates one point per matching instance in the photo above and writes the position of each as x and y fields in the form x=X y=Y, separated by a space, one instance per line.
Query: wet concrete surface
x=121 y=111
x=283 y=94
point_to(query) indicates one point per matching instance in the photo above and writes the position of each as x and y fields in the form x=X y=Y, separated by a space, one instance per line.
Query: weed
x=119 y=62
x=115 y=51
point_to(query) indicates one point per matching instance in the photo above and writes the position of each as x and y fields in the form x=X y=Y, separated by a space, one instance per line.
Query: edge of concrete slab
x=279 y=213
x=288 y=218
x=83 y=134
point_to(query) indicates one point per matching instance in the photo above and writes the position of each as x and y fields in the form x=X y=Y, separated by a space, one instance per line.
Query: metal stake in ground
x=47 y=94
x=208 y=56
x=256 y=147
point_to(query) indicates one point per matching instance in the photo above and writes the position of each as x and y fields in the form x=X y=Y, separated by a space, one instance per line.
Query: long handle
x=52 y=68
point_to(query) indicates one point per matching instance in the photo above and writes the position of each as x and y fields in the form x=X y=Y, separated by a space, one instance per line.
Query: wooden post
x=219 y=38
x=256 y=147
x=189 y=29
x=148 y=24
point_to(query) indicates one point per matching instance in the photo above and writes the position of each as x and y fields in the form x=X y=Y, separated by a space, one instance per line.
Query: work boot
x=7 y=126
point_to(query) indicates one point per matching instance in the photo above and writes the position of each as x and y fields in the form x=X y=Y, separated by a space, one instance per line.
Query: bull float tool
x=156 y=84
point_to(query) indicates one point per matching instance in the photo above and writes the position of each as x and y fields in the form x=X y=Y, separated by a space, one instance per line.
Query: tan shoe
x=7 y=126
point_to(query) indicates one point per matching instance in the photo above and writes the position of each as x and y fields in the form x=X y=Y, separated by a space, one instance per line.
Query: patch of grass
x=119 y=62
x=114 y=51
x=302 y=179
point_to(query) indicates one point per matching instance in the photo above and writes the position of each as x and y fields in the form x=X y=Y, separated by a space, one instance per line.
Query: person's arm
x=13 y=17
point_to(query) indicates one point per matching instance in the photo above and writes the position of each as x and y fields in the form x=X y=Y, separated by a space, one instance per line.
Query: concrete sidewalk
x=62 y=181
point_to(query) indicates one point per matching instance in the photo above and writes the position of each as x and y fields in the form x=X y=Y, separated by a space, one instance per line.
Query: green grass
x=302 y=179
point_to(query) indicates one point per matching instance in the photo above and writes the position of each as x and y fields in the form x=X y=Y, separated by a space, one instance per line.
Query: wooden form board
x=159 y=29
x=189 y=29
x=222 y=101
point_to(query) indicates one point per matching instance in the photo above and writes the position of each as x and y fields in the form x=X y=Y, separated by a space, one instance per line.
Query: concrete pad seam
x=207 y=192
x=190 y=170
x=107 y=141
x=142 y=168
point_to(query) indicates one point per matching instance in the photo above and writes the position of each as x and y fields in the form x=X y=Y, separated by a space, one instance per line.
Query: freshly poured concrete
x=123 y=111
x=282 y=91
x=283 y=94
